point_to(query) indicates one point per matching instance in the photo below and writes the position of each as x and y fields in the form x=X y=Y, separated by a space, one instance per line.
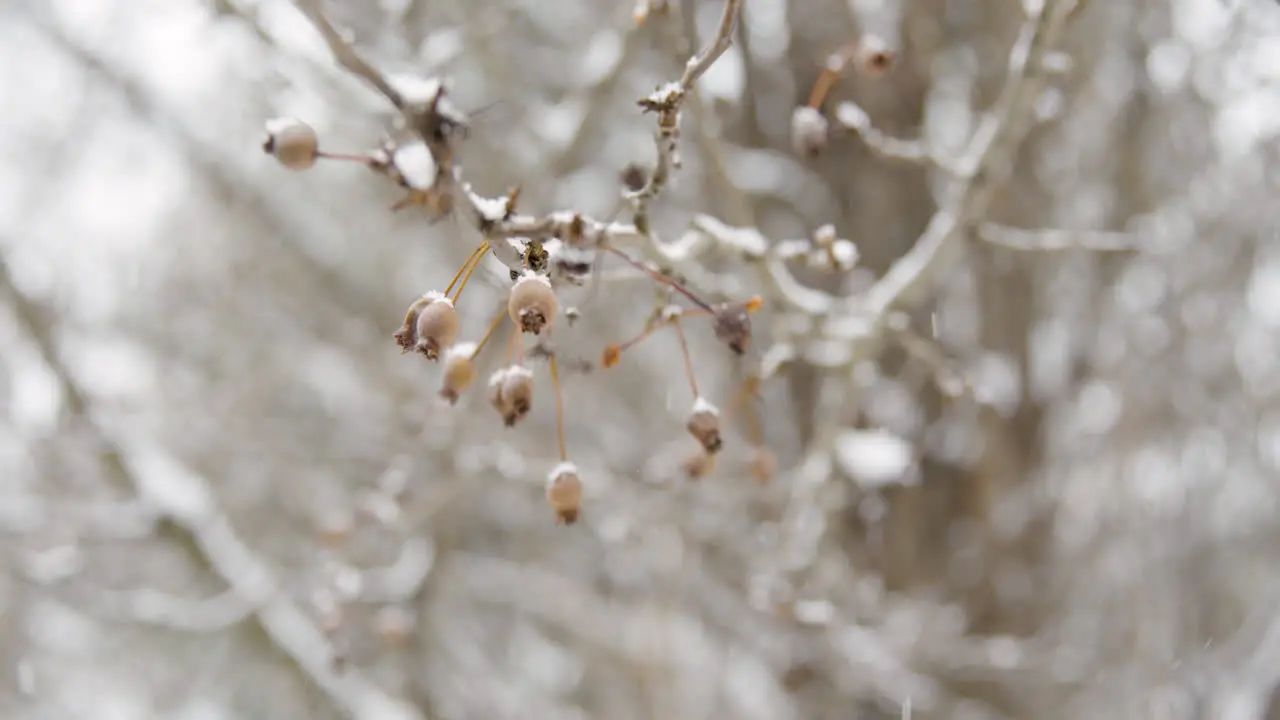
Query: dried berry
x=511 y=393
x=704 y=425
x=532 y=303
x=437 y=326
x=809 y=131
x=459 y=371
x=407 y=336
x=564 y=492
x=293 y=143
x=733 y=325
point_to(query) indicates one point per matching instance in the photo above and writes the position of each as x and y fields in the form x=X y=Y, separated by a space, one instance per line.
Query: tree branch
x=346 y=55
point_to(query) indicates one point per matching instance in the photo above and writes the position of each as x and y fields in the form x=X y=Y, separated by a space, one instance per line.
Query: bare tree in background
x=979 y=299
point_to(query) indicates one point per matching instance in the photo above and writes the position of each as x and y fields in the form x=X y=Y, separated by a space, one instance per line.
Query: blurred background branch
x=1002 y=443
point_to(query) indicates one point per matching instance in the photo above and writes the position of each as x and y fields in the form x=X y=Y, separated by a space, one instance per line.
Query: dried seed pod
x=437 y=327
x=293 y=143
x=564 y=492
x=763 y=464
x=407 y=336
x=809 y=131
x=699 y=464
x=511 y=393
x=532 y=303
x=704 y=425
x=459 y=371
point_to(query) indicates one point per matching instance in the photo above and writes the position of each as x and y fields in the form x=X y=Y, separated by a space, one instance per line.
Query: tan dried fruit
x=704 y=425
x=407 y=336
x=459 y=371
x=564 y=492
x=511 y=393
x=437 y=327
x=293 y=143
x=533 y=304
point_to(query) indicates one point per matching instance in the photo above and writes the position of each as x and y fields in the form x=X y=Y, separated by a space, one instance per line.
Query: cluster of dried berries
x=422 y=163
x=811 y=130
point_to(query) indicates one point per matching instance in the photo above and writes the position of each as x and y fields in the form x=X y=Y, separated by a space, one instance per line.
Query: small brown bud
x=699 y=464
x=611 y=356
x=564 y=492
x=763 y=464
x=532 y=303
x=809 y=131
x=511 y=393
x=459 y=371
x=704 y=425
x=292 y=143
x=437 y=326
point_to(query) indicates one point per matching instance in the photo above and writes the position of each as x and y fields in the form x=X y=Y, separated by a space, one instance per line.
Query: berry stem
x=822 y=87
x=493 y=327
x=688 y=360
x=649 y=328
x=555 y=383
x=466 y=264
x=474 y=260
x=511 y=345
x=660 y=278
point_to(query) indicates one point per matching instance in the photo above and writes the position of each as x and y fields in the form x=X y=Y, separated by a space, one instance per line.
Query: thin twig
x=560 y=435
x=345 y=54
